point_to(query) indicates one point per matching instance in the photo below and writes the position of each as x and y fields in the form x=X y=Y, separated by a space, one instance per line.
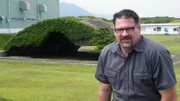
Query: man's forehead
x=124 y=22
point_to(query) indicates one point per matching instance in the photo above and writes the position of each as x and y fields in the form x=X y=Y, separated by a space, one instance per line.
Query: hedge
x=102 y=38
x=33 y=38
x=57 y=36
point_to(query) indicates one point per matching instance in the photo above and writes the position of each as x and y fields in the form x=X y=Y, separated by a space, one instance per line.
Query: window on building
x=165 y=29
x=174 y=29
x=158 y=29
x=154 y=29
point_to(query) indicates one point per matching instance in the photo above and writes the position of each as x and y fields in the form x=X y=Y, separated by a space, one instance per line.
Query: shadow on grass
x=80 y=55
x=3 y=99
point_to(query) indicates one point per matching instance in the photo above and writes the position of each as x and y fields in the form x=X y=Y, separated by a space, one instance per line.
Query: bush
x=103 y=38
x=35 y=38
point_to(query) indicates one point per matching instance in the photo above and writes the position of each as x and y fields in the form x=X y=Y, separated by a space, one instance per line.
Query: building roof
x=162 y=24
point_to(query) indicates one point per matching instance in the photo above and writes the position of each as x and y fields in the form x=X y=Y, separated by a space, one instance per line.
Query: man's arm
x=168 y=94
x=104 y=92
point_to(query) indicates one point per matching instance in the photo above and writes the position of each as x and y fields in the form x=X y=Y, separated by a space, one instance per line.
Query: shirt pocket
x=112 y=77
x=143 y=82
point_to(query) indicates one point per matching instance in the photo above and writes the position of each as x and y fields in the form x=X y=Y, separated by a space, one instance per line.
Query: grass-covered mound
x=105 y=30
x=49 y=37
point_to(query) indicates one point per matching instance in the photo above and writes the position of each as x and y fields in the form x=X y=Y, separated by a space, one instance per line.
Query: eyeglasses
x=121 y=30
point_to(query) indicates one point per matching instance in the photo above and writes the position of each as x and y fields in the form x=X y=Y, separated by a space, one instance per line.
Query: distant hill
x=67 y=9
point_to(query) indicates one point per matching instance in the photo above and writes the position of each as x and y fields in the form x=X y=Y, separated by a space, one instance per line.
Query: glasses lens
x=129 y=30
x=119 y=30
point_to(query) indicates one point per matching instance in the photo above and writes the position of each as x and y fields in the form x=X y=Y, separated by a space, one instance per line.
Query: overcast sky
x=145 y=8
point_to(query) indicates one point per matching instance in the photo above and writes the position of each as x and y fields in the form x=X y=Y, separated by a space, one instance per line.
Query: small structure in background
x=165 y=28
x=15 y=15
x=2 y=53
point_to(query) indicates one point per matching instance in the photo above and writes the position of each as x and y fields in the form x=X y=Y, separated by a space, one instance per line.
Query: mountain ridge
x=69 y=9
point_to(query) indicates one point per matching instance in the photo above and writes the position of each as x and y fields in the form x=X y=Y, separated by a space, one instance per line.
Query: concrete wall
x=16 y=19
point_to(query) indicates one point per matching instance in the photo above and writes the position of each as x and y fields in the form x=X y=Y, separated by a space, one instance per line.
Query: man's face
x=127 y=33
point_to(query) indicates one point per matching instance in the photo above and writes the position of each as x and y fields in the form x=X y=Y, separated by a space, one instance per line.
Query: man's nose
x=124 y=33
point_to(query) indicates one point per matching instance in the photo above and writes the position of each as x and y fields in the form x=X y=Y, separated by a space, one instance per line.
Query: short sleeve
x=163 y=71
x=99 y=75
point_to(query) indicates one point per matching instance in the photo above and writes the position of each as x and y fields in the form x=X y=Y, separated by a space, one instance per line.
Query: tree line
x=158 y=19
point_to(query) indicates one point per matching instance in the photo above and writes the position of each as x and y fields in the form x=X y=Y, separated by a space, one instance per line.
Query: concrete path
x=52 y=60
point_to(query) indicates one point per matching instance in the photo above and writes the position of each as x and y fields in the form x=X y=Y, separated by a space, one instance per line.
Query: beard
x=126 y=42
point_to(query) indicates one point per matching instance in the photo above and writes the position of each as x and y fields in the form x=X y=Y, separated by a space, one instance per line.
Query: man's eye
x=119 y=29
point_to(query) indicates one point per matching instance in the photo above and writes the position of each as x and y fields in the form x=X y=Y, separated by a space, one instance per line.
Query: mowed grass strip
x=163 y=38
x=171 y=42
x=177 y=71
x=27 y=81
x=174 y=47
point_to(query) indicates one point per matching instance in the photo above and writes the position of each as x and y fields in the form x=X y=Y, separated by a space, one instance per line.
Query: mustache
x=126 y=37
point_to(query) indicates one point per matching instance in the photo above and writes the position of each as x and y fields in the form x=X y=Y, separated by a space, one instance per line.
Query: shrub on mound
x=49 y=36
x=102 y=38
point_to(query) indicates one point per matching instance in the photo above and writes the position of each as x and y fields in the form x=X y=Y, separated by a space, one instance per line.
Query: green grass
x=171 y=42
x=173 y=47
x=87 y=48
x=4 y=38
x=177 y=71
x=23 y=81
x=175 y=21
x=163 y=38
x=29 y=81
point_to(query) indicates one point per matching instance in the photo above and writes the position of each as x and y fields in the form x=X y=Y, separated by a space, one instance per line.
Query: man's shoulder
x=110 y=48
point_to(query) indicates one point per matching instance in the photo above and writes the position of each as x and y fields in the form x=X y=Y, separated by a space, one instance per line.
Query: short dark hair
x=127 y=13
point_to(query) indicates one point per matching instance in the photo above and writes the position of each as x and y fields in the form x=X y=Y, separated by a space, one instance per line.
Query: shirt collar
x=139 y=47
x=116 y=48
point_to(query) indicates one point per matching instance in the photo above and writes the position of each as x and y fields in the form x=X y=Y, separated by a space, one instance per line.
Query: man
x=134 y=68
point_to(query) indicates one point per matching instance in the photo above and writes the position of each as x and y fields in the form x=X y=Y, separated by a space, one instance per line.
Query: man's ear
x=139 y=26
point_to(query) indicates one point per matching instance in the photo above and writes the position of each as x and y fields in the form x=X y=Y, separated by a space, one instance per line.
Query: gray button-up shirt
x=139 y=76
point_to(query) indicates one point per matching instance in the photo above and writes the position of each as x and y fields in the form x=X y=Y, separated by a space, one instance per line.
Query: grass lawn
x=177 y=71
x=164 y=38
x=28 y=81
x=171 y=42
x=87 y=48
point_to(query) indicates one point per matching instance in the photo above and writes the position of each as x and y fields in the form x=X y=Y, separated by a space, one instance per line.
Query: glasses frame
x=121 y=30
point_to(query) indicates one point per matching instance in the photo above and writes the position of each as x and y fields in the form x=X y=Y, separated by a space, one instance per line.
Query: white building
x=165 y=28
